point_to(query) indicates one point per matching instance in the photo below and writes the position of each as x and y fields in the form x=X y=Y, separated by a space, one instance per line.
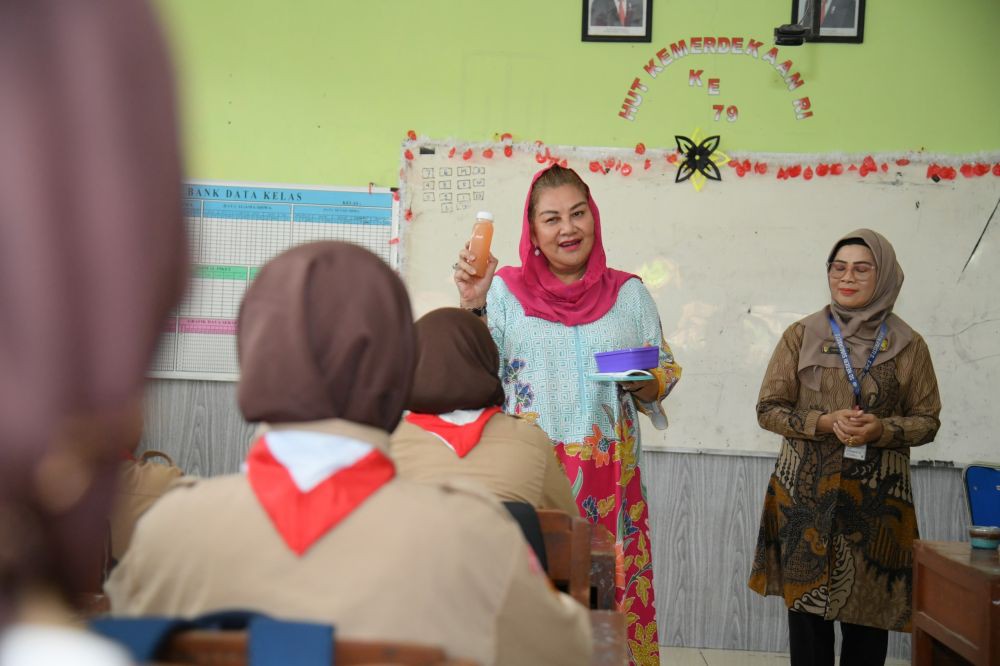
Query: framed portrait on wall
x=617 y=20
x=840 y=20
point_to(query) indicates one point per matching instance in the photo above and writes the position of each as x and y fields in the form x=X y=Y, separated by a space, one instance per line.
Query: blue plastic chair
x=982 y=493
x=271 y=642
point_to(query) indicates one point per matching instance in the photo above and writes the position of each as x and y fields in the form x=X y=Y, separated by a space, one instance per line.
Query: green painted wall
x=323 y=91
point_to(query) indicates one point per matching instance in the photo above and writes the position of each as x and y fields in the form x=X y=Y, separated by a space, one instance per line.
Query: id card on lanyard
x=856 y=452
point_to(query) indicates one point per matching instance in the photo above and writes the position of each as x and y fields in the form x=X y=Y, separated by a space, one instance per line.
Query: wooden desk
x=956 y=604
x=229 y=648
x=608 y=628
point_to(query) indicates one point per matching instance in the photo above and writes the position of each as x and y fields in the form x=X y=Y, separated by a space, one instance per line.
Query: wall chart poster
x=234 y=229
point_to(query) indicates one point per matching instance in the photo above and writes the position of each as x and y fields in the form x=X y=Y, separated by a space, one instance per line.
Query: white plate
x=628 y=376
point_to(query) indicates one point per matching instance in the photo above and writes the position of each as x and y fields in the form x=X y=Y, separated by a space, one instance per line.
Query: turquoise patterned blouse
x=544 y=365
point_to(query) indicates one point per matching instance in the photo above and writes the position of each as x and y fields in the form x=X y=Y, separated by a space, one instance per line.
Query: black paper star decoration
x=697 y=158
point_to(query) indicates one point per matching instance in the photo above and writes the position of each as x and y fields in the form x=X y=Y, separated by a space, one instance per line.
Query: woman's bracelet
x=479 y=312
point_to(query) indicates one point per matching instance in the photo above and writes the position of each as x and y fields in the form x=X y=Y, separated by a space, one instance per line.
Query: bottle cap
x=484 y=215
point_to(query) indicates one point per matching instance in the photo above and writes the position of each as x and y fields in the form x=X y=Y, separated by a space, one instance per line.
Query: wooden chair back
x=567 y=546
x=229 y=648
x=602 y=568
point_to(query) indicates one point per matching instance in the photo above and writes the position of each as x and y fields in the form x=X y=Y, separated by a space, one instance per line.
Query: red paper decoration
x=408 y=154
x=640 y=148
x=488 y=153
x=508 y=151
x=451 y=153
x=795 y=171
x=822 y=170
x=836 y=169
x=595 y=166
x=902 y=161
x=411 y=135
x=409 y=214
x=626 y=169
x=808 y=173
x=395 y=195
x=996 y=169
x=394 y=241
x=467 y=155
x=760 y=167
x=648 y=163
x=967 y=170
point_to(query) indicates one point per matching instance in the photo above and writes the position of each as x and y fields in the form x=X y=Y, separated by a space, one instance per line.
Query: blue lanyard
x=856 y=380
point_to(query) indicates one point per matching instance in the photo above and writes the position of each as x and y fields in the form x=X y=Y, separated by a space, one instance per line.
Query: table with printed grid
x=234 y=229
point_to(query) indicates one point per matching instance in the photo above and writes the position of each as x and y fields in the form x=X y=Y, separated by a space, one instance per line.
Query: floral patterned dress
x=594 y=427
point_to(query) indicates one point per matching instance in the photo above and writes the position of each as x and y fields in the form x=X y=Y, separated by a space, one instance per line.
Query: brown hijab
x=325 y=331
x=859 y=326
x=457 y=366
x=92 y=258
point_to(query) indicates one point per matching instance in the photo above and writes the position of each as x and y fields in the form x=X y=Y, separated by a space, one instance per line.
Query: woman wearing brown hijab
x=850 y=388
x=456 y=428
x=320 y=528
x=92 y=258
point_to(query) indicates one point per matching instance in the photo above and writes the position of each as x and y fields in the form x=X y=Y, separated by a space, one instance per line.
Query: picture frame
x=841 y=20
x=602 y=21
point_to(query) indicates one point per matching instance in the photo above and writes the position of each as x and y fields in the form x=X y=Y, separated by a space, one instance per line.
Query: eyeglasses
x=862 y=270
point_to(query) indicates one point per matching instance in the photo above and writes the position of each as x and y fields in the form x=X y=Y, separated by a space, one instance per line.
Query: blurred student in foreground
x=92 y=258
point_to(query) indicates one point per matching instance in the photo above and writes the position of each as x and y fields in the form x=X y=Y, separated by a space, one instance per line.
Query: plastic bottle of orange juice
x=479 y=245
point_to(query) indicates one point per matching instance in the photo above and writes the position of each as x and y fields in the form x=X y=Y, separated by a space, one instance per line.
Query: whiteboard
x=234 y=228
x=730 y=267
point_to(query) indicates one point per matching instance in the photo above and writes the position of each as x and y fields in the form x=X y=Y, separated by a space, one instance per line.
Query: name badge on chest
x=855 y=452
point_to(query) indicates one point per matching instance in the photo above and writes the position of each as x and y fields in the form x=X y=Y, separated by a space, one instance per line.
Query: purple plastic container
x=623 y=360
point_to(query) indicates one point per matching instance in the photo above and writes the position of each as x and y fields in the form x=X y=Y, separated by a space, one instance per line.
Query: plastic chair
x=982 y=493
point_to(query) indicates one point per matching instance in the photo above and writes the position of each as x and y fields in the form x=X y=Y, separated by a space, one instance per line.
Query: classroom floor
x=674 y=656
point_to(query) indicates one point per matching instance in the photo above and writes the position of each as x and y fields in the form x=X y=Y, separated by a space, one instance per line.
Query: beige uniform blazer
x=438 y=565
x=514 y=460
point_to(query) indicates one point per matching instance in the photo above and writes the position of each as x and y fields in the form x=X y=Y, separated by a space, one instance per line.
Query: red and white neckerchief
x=460 y=430
x=308 y=482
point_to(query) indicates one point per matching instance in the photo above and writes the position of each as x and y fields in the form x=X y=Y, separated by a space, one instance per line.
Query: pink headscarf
x=543 y=295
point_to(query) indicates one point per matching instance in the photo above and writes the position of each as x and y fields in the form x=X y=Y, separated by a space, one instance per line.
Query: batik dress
x=836 y=534
x=593 y=426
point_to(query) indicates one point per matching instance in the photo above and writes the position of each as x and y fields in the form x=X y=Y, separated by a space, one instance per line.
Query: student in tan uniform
x=93 y=255
x=456 y=428
x=320 y=528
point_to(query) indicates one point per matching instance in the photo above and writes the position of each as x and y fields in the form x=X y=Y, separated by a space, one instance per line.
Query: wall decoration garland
x=781 y=166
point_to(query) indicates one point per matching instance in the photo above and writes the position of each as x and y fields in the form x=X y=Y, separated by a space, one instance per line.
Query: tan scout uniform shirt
x=441 y=566
x=514 y=460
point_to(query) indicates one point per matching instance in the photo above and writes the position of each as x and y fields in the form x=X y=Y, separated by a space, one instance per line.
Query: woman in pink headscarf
x=548 y=317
